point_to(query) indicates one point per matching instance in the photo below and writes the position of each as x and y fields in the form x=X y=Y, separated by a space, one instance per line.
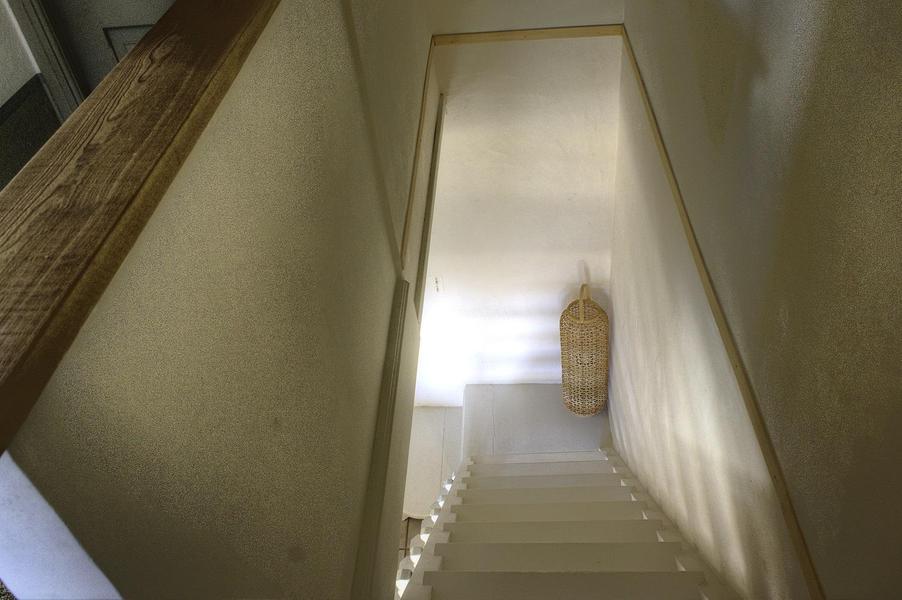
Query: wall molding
x=365 y=582
x=412 y=190
x=62 y=86
x=740 y=372
x=515 y=35
x=426 y=233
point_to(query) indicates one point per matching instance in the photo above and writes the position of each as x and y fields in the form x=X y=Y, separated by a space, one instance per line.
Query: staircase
x=565 y=526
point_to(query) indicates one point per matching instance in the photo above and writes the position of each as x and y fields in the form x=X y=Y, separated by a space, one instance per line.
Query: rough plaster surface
x=16 y=63
x=782 y=120
x=523 y=207
x=209 y=432
x=676 y=412
x=392 y=38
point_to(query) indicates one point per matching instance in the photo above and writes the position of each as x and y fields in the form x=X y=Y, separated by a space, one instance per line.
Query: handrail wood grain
x=68 y=219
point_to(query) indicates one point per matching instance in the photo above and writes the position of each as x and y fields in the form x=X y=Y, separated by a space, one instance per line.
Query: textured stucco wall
x=676 y=412
x=783 y=120
x=392 y=39
x=209 y=432
x=16 y=64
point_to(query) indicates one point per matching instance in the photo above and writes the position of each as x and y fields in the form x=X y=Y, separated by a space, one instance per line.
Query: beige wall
x=782 y=120
x=391 y=40
x=209 y=432
x=676 y=413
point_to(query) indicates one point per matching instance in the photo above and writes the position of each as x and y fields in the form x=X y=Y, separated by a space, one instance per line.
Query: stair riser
x=544 y=457
x=557 y=557
x=542 y=481
x=573 y=511
x=534 y=496
x=577 y=531
x=545 y=468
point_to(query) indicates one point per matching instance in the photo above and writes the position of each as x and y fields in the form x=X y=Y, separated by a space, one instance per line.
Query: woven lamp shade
x=584 y=355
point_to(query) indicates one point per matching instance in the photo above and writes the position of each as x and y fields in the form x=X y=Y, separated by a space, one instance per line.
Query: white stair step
x=543 y=481
x=539 y=457
x=559 y=531
x=469 y=585
x=552 y=511
x=544 y=468
x=559 y=557
x=715 y=591
x=536 y=495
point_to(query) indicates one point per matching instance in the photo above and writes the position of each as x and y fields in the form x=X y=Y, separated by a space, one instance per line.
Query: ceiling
x=523 y=207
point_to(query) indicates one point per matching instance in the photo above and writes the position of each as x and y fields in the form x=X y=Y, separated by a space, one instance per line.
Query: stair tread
x=501 y=585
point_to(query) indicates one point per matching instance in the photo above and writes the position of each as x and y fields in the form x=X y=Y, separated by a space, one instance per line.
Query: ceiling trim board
x=515 y=35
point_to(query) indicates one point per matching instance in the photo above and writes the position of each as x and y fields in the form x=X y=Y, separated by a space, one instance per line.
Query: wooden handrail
x=68 y=219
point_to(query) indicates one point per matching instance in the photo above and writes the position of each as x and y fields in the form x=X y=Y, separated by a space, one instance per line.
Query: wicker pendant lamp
x=584 y=355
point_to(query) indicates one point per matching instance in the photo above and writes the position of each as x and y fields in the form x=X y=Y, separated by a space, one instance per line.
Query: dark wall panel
x=27 y=120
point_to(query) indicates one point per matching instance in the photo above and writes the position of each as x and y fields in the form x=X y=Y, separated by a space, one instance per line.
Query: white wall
x=526 y=419
x=782 y=120
x=435 y=453
x=39 y=556
x=523 y=207
x=676 y=412
x=17 y=65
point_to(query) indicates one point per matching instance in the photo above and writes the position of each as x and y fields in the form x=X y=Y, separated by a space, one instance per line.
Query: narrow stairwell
x=568 y=526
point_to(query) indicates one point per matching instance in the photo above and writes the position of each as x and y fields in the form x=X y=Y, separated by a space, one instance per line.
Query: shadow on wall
x=600 y=295
x=727 y=59
x=794 y=197
x=830 y=380
x=679 y=418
